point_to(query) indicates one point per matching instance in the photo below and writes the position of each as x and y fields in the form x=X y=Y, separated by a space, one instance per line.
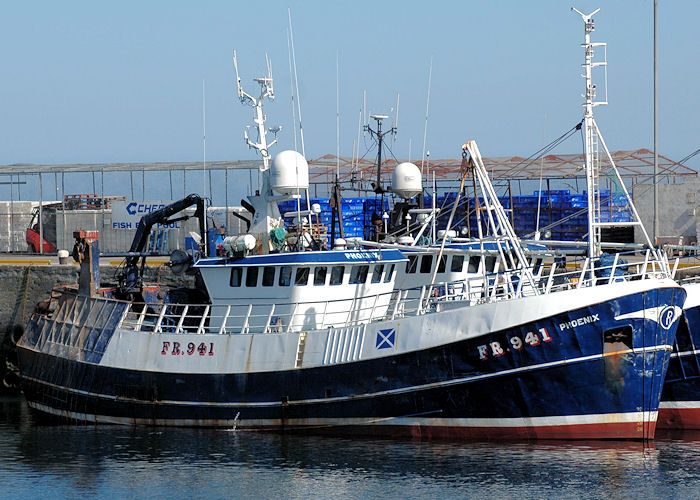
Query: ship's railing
x=270 y=318
x=294 y=317
x=612 y=268
x=557 y=276
x=687 y=269
x=297 y=316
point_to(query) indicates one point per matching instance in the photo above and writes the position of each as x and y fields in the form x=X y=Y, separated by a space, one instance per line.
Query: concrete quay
x=26 y=280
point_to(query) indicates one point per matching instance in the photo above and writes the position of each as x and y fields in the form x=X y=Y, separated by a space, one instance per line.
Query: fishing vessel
x=281 y=334
x=680 y=398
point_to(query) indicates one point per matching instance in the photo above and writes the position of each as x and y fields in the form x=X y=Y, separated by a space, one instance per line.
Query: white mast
x=266 y=90
x=591 y=145
x=266 y=215
x=593 y=141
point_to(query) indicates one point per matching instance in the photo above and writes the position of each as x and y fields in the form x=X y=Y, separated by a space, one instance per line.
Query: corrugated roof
x=637 y=164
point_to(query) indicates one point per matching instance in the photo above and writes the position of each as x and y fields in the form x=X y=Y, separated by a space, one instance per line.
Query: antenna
x=427 y=109
x=586 y=17
x=204 y=141
x=337 y=117
x=539 y=193
x=396 y=117
x=238 y=78
x=269 y=69
x=364 y=107
x=380 y=137
x=291 y=85
x=296 y=82
x=357 y=150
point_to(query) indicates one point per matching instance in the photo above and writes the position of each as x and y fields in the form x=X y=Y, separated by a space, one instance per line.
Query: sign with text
x=126 y=214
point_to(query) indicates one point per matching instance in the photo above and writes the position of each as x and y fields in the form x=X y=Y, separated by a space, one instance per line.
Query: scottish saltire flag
x=386 y=338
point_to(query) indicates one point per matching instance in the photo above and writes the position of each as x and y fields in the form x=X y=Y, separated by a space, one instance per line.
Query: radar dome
x=289 y=172
x=406 y=180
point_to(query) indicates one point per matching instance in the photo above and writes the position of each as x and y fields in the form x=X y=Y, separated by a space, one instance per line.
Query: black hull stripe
x=403 y=390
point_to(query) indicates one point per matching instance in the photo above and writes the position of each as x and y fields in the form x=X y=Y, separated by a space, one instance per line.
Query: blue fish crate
x=622 y=218
x=619 y=201
x=552 y=191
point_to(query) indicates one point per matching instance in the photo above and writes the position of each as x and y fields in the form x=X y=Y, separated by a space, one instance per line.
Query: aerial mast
x=594 y=142
x=379 y=134
x=264 y=203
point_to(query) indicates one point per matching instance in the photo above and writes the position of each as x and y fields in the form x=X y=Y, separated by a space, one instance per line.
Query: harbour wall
x=23 y=286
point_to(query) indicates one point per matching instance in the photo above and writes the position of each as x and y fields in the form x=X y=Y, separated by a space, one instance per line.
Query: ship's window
x=457 y=263
x=302 y=276
x=320 y=275
x=337 y=275
x=268 y=276
x=285 y=276
x=236 y=275
x=473 y=263
x=426 y=264
x=490 y=264
x=358 y=274
x=389 y=273
x=619 y=335
x=412 y=264
x=442 y=264
x=377 y=273
x=251 y=279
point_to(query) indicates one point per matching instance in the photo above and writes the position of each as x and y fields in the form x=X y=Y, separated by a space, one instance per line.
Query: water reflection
x=179 y=463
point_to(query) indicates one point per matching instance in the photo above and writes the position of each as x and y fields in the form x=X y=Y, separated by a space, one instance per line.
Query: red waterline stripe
x=679 y=418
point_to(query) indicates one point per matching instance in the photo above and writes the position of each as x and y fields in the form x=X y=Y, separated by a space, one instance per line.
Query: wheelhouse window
x=490 y=264
x=412 y=264
x=457 y=263
x=426 y=264
x=320 y=275
x=358 y=274
x=377 y=273
x=251 y=277
x=302 y=276
x=337 y=275
x=268 y=278
x=389 y=273
x=442 y=265
x=236 y=276
x=285 y=276
x=473 y=263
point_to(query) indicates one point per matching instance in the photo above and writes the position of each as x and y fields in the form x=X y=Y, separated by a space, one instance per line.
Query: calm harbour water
x=67 y=461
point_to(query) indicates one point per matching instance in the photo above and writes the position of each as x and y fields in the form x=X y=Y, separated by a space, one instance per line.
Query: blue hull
x=680 y=407
x=585 y=375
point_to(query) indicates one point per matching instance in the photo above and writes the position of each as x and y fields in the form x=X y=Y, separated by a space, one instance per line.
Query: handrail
x=290 y=317
x=322 y=314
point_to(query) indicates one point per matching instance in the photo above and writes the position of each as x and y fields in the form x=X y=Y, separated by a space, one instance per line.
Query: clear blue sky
x=122 y=81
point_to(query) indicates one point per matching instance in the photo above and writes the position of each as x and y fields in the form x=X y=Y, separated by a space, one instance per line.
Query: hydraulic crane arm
x=131 y=279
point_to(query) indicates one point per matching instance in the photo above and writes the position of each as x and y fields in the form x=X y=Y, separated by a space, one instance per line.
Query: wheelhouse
x=316 y=289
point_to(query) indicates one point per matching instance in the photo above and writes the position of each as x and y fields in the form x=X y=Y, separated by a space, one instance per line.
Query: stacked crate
x=554 y=205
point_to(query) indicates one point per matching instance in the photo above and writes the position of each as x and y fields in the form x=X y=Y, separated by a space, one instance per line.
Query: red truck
x=48 y=217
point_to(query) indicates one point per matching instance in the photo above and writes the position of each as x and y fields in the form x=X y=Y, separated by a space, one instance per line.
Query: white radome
x=406 y=180
x=289 y=172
